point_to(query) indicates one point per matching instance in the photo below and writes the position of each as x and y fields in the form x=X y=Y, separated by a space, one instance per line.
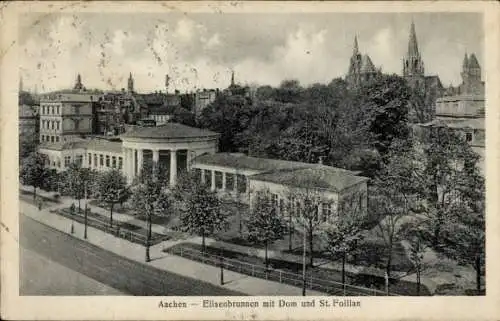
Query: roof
x=73 y=97
x=64 y=145
x=244 y=162
x=367 y=65
x=104 y=145
x=168 y=130
x=473 y=63
x=318 y=177
x=473 y=123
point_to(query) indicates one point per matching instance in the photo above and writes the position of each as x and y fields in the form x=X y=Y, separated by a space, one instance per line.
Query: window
x=77 y=124
x=52 y=139
x=101 y=160
x=326 y=211
x=52 y=124
x=42 y=137
x=242 y=183
x=79 y=159
x=229 y=181
x=107 y=160
x=113 y=161
x=282 y=207
x=58 y=163
x=208 y=177
x=57 y=139
x=120 y=162
x=58 y=110
x=218 y=179
x=274 y=200
x=95 y=160
x=90 y=159
x=57 y=125
x=67 y=161
x=43 y=109
x=52 y=109
x=468 y=137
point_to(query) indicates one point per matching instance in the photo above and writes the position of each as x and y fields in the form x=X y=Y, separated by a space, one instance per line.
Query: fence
x=321 y=285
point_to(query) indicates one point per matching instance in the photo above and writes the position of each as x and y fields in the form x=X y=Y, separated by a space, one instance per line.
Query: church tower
x=471 y=76
x=130 y=84
x=78 y=83
x=413 y=66
x=361 y=68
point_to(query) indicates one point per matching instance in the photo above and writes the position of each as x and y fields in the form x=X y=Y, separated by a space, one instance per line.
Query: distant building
x=462 y=108
x=429 y=87
x=203 y=98
x=29 y=117
x=361 y=68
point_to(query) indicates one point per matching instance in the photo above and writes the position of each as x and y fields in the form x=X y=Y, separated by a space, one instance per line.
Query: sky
x=200 y=50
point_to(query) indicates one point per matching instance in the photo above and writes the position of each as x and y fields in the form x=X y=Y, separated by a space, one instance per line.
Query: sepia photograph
x=330 y=156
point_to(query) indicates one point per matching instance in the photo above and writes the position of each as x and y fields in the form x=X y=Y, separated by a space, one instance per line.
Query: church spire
x=78 y=84
x=465 y=63
x=232 y=78
x=412 y=42
x=130 y=84
x=355 y=49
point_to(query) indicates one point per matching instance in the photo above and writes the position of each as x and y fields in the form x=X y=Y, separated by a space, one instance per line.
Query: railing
x=321 y=285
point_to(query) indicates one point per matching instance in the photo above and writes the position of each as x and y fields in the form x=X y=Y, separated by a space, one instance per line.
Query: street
x=124 y=275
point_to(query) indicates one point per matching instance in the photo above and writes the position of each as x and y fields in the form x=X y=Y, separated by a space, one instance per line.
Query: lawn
x=319 y=274
x=27 y=197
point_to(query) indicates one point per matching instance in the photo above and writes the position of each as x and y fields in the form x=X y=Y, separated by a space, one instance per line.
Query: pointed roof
x=412 y=42
x=465 y=63
x=367 y=65
x=473 y=63
x=232 y=78
x=355 y=49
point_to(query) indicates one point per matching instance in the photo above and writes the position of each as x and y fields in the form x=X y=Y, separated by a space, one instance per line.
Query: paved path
x=169 y=263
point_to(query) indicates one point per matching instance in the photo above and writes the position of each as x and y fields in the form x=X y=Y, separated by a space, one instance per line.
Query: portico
x=171 y=147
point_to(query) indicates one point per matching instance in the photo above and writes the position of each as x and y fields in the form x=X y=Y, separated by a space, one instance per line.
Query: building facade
x=361 y=68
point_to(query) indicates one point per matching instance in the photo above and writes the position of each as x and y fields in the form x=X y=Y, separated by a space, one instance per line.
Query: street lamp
x=221 y=258
x=85 y=214
x=304 y=265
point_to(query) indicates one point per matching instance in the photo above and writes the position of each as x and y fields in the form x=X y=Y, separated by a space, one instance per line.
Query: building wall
x=103 y=160
x=460 y=106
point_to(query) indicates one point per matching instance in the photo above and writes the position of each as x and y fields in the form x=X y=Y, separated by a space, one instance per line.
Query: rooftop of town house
x=70 y=97
x=473 y=123
x=104 y=145
x=243 y=162
x=315 y=177
x=168 y=130
x=64 y=145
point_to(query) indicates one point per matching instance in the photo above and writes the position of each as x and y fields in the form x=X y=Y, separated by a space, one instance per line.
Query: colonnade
x=134 y=160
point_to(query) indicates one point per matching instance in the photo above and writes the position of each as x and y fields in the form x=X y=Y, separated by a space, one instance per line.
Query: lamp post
x=304 y=265
x=221 y=259
x=85 y=214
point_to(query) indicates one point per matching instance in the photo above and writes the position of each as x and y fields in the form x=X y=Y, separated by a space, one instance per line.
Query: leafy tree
x=150 y=198
x=264 y=224
x=78 y=182
x=201 y=210
x=304 y=203
x=33 y=171
x=416 y=237
x=344 y=231
x=112 y=189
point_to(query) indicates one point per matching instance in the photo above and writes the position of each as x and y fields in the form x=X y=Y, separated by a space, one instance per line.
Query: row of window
x=49 y=139
x=241 y=182
x=50 y=110
x=101 y=160
x=50 y=124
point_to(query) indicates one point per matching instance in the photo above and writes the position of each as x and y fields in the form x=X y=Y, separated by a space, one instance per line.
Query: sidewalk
x=161 y=260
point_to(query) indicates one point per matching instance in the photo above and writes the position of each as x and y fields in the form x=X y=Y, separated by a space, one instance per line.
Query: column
x=212 y=186
x=173 y=167
x=156 y=159
x=202 y=176
x=139 y=162
x=223 y=181
x=128 y=164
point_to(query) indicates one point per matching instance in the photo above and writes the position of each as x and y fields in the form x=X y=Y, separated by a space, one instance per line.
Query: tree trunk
x=148 y=238
x=311 y=260
x=111 y=214
x=290 y=232
x=203 y=242
x=343 y=267
x=34 y=192
x=240 y=226
x=79 y=207
x=478 y=273
x=265 y=260
x=388 y=266
x=418 y=281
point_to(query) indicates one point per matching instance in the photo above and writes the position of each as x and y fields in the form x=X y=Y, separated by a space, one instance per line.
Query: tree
x=304 y=204
x=394 y=194
x=344 y=230
x=264 y=225
x=112 y=189
x=78 y=182
x=33 y=171
x=416 y=237
x=201 y=210
x=150 y=198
